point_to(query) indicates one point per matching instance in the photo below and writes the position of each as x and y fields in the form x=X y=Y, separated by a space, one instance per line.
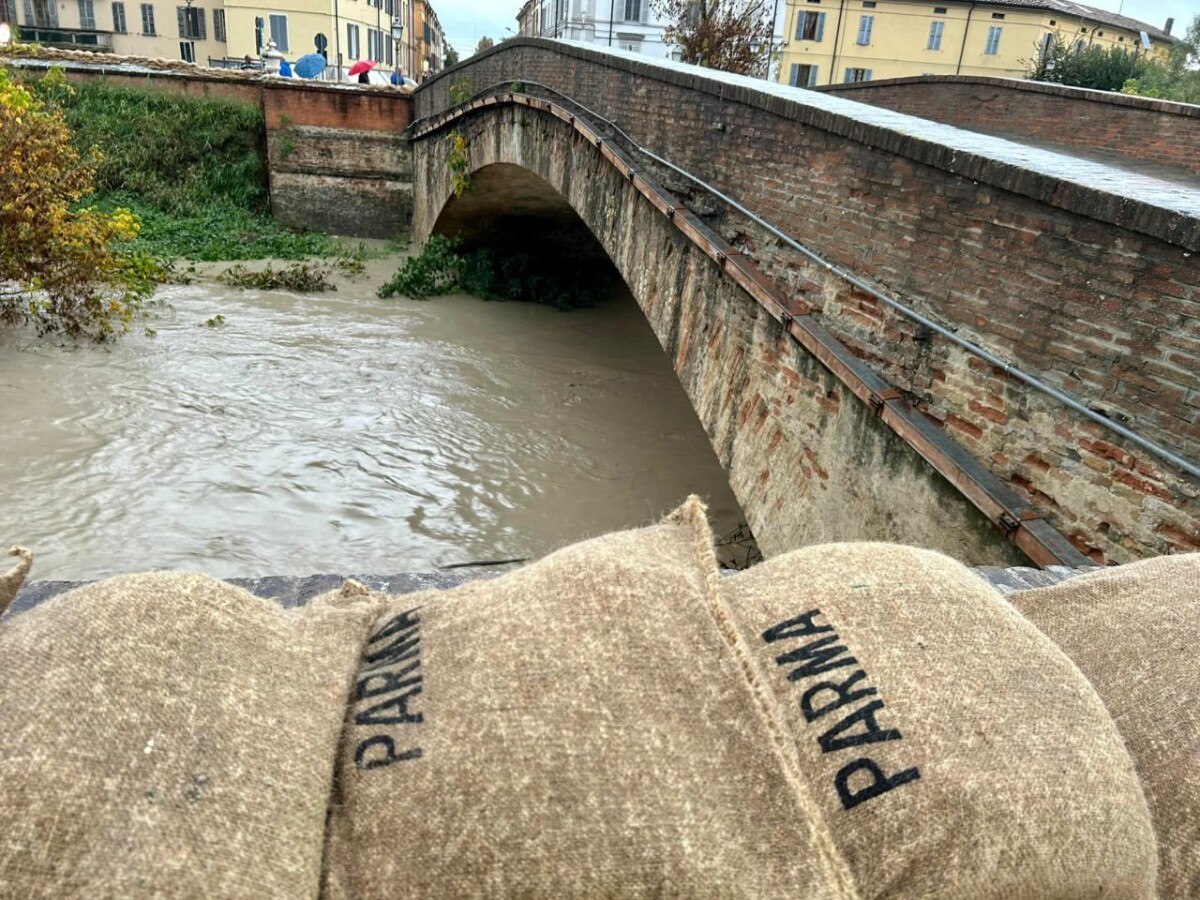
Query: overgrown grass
x=221 y=232
x=193 y=170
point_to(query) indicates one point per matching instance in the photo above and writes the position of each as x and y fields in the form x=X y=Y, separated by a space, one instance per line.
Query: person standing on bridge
x=398 y=77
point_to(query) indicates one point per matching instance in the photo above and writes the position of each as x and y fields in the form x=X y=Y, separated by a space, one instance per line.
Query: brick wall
x=1134 y=127
x=338 y=157
x=1028 y=267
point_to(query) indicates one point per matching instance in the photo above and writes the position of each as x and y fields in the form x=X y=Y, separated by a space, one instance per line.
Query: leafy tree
x=1078 y=65
x=61 y=267
x=1119 y=69
x=485 y=43
x=451 y=57
x=731 y=35
x=1178 y=78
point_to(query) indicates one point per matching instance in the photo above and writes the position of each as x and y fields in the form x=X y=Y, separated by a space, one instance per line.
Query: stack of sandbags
x=613 y=721
x=169 y=735
x=864 y=721
x=1134 y=631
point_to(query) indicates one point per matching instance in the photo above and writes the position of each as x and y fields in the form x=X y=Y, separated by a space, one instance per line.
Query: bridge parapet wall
x=1094 y=291
x=1157 y=131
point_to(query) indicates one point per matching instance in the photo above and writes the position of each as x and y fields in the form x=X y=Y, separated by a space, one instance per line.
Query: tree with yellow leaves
x=62 y=268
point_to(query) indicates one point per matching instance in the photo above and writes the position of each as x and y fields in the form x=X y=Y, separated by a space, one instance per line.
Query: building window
x=633 y=46
x=803 y=76
x=997 y=15
x=810 y=26
x=352 y=41
x=219 y=25
x=187 y=51
x=868 y=4
x=372 y=48
x=633 y=10
x=41 y=13
x=865 y=24
x=935 y=35
x=854 y=75
x=119 y=26
x=148 y=19
x=191 y=23
x=993 y=41
x=279 y=31
x=87 y=15
x=939 y=10
x=8 y=11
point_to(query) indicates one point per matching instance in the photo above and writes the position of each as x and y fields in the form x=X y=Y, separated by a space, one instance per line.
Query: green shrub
x=442 y=267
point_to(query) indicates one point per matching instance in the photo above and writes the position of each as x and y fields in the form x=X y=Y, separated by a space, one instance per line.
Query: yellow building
x=224 y=32
x=835 y=41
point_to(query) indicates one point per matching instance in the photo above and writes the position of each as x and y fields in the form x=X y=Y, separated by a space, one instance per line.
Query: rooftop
x=1067 y=7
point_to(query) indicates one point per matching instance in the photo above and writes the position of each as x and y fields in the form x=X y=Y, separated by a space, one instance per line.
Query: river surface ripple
x=343 y=433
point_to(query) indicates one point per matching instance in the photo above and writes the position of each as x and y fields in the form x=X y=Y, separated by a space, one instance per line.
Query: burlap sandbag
x=1134 y=631
x=954 y=751
x=168 y=735
x=11 y=581
x=578 y=728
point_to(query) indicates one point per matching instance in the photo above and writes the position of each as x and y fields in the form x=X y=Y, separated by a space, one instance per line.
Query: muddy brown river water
x=343 y=433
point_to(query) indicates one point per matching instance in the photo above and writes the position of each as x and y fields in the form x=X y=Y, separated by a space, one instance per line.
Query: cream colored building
x=836 y=41
x=223 y=32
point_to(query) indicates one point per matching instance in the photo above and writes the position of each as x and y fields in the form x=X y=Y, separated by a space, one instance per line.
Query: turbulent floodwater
x=343 y=433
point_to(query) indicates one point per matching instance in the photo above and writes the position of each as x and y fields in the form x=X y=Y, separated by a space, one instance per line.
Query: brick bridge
x=837 y=413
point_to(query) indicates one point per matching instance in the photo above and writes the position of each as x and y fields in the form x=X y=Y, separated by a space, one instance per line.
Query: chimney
x=1170 y=24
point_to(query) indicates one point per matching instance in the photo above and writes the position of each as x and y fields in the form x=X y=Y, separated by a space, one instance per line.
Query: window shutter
x=200 y=21
x=794 y=80
x=181 y=12
x=820 y=26
x=812 y=76
x=867 y=76
x=29 y=20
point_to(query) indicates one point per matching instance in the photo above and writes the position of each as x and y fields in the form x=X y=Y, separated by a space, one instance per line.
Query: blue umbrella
x=309 y=66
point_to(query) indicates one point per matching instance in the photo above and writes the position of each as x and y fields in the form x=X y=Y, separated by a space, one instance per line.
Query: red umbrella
x=363 y=65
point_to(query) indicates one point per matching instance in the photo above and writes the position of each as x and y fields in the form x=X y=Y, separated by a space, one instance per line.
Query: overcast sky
x=1156 y=12
x=466 y=21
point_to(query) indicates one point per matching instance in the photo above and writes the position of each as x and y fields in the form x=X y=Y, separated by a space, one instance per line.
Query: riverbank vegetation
x=446 y=266
x=65 y=265
x=192 y=171
x=102 y=189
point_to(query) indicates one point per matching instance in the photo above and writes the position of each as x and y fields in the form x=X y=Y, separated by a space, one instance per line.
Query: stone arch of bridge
x=817 y=447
